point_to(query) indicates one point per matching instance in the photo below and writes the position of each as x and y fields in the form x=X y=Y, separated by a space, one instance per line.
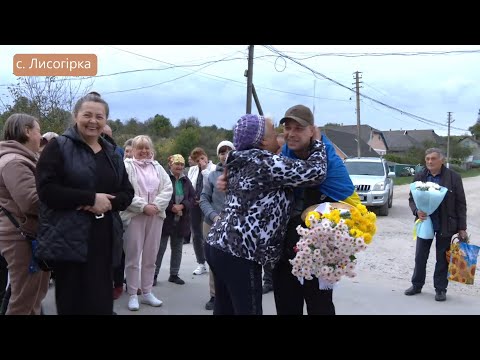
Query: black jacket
x=453 y=209
x=188 y=200
x=65 y=181
x=304 y=198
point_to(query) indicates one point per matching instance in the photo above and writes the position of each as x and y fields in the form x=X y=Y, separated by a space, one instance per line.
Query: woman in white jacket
x=198 y=176
x=143 y=220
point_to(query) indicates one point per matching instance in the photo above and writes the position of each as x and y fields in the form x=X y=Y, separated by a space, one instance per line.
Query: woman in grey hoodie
x=212 y=202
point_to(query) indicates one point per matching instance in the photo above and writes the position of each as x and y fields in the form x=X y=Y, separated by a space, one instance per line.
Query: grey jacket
x=212 y=201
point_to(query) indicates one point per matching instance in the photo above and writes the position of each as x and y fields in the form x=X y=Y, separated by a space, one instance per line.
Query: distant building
x=346 y=144
x=473 y=144
x=400 y=141
x=372 y=137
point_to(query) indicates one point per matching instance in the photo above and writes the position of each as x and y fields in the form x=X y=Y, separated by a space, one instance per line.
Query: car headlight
x=379 y=186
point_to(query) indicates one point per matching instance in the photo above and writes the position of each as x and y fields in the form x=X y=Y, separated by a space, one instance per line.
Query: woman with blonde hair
x=143 y=220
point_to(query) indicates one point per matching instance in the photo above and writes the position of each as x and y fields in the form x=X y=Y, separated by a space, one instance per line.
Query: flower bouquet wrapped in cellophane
x=427 y=196
x=335 y=233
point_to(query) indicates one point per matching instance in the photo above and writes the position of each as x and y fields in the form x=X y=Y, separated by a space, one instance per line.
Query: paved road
x=383 y=274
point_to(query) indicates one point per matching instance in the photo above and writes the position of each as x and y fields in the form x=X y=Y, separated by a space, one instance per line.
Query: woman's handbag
x=35 y=264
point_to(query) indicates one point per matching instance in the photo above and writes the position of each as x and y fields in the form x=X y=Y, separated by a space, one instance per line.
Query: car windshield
x=365 y=168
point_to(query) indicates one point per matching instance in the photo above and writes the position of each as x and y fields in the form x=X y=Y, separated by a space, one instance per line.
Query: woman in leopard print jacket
x=258 y=203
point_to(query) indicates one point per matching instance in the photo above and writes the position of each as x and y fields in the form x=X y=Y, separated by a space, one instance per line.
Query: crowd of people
x=97 y=217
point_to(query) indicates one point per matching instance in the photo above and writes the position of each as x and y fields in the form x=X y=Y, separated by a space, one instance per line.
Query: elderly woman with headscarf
x=177 y=222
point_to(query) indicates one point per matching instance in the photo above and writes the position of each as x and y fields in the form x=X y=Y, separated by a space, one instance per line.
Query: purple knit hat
x=248 y=132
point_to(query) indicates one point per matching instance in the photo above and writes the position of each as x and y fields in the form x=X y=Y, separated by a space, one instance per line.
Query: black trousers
x=86 y=288
x=3 y=277
x=238 y=283
x=4 y=294
x=119 y=273
x=422 y=251
x=290 y=295
x=196 y=222
x=267 y=274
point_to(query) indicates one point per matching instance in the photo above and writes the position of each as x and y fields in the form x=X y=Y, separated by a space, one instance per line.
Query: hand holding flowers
x=327 y=248
x=427 y=196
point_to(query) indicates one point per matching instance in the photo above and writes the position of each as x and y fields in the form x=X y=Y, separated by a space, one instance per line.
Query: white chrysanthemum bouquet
x=327 y=248
x=427 y=196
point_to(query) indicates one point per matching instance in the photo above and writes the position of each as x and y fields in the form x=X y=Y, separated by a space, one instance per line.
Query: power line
x=393 y=117
x=365 y=54
x=373 y=88
x=241 y=83
x=164 y=82
x=403 y=112
x=173 y=66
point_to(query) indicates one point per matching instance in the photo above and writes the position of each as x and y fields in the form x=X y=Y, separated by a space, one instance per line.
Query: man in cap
x=290 y=295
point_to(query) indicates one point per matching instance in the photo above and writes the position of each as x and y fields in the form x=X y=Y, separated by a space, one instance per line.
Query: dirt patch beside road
x=392 y=252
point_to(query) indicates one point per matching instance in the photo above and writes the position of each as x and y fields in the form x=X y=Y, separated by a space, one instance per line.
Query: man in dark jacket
x=449 y=219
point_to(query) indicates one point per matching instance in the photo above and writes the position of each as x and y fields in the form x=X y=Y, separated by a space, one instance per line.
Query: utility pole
x=257 y=102
x=250 y=79
x=357 y=90
x=450 y=121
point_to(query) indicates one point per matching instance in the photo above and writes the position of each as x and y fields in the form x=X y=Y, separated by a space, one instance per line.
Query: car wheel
x=383 y=210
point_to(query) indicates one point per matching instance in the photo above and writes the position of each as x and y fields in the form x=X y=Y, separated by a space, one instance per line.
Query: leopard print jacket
x=259 y=200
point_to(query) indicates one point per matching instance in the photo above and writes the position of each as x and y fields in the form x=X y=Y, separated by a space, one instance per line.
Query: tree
x=458 y=152
x=163 y=150
x=188 y=123
x=132 y=127
x=20 y=105
x=475 y=130
x=185 y=141
x=159 y=126
x=48 y=93
x=116 y=125
x=48 y=98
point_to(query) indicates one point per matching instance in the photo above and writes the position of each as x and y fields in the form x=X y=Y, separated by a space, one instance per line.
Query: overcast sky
x=428 y=86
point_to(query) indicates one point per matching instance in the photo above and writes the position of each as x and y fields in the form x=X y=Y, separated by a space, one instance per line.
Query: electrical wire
x=316 y=73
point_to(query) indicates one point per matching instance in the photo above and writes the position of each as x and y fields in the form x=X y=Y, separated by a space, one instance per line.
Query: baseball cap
x=301 y=114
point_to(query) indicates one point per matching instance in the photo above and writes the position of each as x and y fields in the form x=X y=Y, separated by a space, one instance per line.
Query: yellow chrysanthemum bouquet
x=335 y=233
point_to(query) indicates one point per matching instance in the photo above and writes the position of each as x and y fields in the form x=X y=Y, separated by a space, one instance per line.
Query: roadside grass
x=464 y=173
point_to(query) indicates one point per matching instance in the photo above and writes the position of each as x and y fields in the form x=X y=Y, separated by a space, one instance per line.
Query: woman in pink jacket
x=143 y=220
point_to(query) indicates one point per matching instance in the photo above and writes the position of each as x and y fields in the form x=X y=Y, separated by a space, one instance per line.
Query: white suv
x=373 y=182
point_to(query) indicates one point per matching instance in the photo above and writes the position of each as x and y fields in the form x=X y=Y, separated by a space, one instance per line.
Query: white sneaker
x=151 y=300
x=201 y=269
x=133 y=304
